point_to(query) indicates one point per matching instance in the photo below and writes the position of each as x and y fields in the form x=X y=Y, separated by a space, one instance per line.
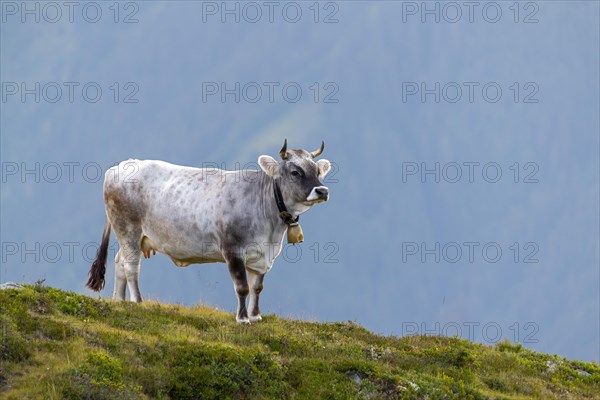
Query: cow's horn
x=283 y=152
x=317 y=153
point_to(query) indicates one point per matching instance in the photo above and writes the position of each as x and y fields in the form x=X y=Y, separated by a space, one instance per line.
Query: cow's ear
x=324 y=167
x=269 y=165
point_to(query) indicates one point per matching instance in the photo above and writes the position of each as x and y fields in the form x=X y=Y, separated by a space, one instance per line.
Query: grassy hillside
x=58 y=344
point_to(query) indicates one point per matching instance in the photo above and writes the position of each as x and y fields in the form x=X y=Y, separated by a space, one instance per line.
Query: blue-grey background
x=358 y=273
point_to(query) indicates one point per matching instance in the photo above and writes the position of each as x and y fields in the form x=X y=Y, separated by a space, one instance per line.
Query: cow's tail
x=98 y=269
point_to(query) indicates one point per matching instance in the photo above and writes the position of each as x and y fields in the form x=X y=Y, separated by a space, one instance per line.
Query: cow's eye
x=295 y=173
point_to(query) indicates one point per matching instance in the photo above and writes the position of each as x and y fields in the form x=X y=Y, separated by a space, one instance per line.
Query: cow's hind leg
x=131 y=266
x=130 y=238
x=256 y=286
x=120 y=278
x=237 y=269
x=123 y=212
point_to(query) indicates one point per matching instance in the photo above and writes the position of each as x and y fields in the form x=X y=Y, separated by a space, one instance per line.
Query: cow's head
x=299 y=176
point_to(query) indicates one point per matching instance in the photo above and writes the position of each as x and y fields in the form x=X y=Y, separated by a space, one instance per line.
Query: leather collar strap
x=283 y=212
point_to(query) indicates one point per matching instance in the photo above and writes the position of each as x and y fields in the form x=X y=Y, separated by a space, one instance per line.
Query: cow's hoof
x=255 y=318
x=243 y=321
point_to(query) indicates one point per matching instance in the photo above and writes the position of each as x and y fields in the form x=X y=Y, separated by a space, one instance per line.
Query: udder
x=147 y=246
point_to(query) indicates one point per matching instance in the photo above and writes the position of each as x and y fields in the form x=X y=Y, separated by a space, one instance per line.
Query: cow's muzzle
x=318 y=194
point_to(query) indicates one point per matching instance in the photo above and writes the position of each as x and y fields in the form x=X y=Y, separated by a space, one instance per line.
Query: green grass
x=61 y=345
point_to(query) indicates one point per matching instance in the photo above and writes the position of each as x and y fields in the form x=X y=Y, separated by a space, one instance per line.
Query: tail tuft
x=98 y=269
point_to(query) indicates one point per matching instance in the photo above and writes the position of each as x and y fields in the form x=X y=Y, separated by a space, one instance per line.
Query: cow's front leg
x=256 y=286
x=237 y=269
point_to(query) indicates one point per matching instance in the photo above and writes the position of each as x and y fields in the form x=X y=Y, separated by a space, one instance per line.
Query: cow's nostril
x=322 y=191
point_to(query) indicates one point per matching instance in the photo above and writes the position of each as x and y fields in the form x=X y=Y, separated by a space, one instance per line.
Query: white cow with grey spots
x=205 y=215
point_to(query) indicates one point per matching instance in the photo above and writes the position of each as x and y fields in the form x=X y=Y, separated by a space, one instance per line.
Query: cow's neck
x=269 y=205
x=267 y=202
x=287 y=217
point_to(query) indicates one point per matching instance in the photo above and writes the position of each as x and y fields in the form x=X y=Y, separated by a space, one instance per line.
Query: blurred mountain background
x=354 y=264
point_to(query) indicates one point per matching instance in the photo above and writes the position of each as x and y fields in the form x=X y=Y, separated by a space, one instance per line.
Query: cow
x=207 y=215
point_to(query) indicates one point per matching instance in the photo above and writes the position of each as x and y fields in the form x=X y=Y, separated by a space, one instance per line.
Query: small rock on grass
x=10 y=285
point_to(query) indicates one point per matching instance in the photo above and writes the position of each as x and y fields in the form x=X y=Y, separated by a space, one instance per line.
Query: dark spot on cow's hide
x=240 y=231
x=122 y=208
